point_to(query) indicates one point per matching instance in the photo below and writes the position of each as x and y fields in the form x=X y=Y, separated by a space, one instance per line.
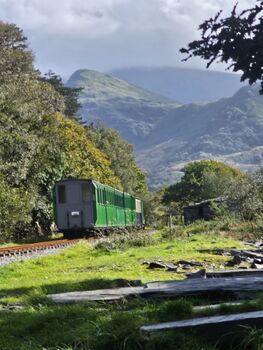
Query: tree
x=69 y=94
x=245 y=197
x=120 y=153
x=20 y=85
x=204 y=179
x=83 y=158
x=37 y=145
x=15 y=57
x=15 y=207
x=237 y=39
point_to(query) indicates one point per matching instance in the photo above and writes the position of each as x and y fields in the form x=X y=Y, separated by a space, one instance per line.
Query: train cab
x=73 y=205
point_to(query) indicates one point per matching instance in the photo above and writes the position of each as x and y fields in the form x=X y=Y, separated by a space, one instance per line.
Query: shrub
x=124 y=241
x=15 y=207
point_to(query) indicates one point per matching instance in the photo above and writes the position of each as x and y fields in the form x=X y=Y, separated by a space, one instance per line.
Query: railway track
x=26 y=250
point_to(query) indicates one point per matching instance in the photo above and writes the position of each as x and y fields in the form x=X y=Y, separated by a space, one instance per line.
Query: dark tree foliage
x=15 y=58
x=69 y=94
x=237 y=39
x=120 y=153
x=37 y=145
x=204 y=179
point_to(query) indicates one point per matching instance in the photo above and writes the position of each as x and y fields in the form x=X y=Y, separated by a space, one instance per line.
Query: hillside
x=229 y=130
x=182 y=84
x=120 y=105
x=167 y=135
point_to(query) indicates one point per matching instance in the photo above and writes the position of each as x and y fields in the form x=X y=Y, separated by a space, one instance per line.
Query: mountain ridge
x=186 y=85
x=125 y=107
x=166 y=135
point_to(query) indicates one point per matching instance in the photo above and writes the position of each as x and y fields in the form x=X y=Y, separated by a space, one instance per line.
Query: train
x=87 y=206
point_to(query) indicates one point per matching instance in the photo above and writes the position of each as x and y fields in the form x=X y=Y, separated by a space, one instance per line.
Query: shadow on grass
x=86 y=326
x=35 y=295
x=93 y=325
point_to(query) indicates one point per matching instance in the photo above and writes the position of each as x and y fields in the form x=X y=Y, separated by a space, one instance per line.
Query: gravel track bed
x=31 y=255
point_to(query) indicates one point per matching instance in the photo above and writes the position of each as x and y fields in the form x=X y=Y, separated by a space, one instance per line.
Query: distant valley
x=167 y=134
x=182 y=84
x=131 y=110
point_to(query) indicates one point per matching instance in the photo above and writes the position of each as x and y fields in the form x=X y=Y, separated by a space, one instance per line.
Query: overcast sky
x=66 y=35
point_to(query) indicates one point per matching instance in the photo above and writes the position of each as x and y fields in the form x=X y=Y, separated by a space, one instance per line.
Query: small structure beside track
x=202 y=210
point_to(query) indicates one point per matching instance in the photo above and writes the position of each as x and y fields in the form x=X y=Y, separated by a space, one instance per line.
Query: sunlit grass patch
x=41 y=324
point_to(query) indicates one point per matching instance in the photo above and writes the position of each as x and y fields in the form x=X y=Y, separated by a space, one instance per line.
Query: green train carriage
x=82 y=205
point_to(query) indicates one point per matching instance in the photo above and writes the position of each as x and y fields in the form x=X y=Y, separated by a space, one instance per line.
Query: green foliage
x=16 y=58
x=246 y=197
x=175 y=309
x=42 y=324
x=69 y=94
x=83 y=158
x=125 y=241
x=154 y=211
x=202 y=180
x=41 y=150
x=21 y=88
x=15 y=206
x=38 y=144
x=253 y=338
x=236 y=39
x=122 y=159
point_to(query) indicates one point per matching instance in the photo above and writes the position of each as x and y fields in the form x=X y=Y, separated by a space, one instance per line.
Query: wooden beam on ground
x=212 y=326
x=218 y=306
x=96 y=295
x=231 y=273
x=203 y=286
x=168 y=289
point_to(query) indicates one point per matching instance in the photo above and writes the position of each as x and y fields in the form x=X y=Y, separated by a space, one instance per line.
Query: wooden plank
x=96 y=295
x=168 y=289
x=244 y=251
x=230 y=273
x=225 y=321
x=217 y=306
x=199 y=286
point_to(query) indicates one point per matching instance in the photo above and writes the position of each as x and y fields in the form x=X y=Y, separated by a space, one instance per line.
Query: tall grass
x=120 y=242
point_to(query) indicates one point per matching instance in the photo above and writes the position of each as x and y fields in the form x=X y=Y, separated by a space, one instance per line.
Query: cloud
x=104 y=34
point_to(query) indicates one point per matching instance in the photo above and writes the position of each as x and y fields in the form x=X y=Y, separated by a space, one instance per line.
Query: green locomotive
x=84 y=205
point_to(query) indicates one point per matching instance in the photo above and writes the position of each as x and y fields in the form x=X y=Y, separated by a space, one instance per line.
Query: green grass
x=42 y=324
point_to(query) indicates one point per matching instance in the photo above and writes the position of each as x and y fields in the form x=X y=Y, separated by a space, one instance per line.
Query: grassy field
x=43 y=325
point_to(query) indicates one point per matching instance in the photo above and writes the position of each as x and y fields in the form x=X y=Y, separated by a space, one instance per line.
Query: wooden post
x=170 y=224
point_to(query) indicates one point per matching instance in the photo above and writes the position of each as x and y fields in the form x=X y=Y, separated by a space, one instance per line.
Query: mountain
x=131 y=110
x=230 y=130
x=182 y=84
x=167 y=135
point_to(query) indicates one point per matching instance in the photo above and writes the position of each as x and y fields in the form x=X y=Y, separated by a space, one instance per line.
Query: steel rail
x=34 y=247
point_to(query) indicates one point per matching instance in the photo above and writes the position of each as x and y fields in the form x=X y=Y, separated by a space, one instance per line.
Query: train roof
x=95 y=183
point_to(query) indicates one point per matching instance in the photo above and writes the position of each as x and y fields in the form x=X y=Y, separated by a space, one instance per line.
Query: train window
x=85 y=192
x=62 y=194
